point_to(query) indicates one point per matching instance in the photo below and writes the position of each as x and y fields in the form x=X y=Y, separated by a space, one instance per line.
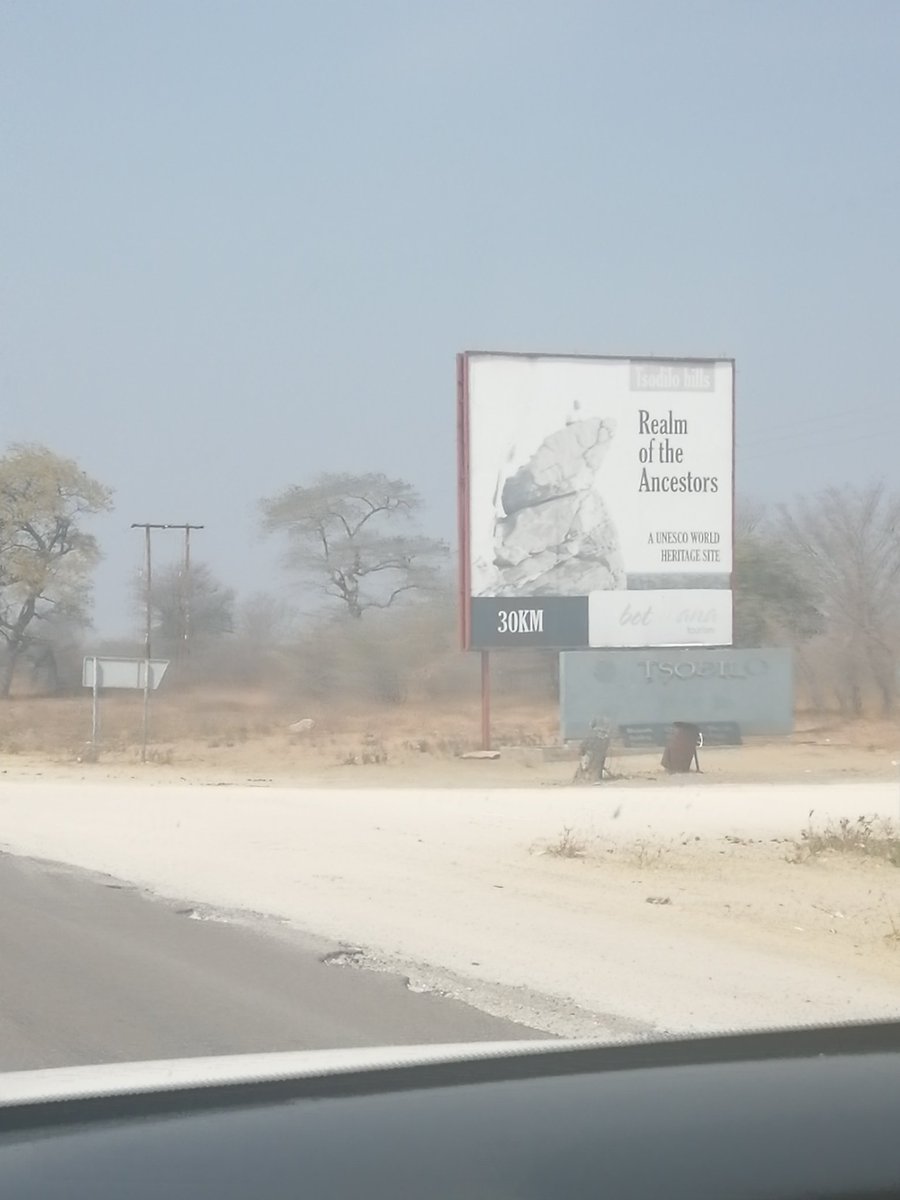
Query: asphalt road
x=92 y=971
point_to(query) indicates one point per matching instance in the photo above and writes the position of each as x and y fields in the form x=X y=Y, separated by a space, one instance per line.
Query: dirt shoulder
x=682 y=908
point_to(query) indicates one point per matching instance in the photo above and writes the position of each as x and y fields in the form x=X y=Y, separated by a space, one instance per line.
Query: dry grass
x=241 y=733
x=223 y=718
x=866 y=837
x=567 y=844
x=647 y=854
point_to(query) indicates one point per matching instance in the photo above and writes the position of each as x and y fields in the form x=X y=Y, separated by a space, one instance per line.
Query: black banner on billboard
x=555 y=622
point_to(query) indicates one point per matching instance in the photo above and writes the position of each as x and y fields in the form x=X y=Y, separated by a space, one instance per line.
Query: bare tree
x=51 y=662
x=174 y=595
x=46 y=557
x=846 y=541
x=265 y=622
x=342 y=538
x=264 y=646
x=775 y=601
x=750 y=516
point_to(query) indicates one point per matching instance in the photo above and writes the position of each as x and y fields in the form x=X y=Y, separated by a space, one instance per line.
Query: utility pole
x=147 y=526
x=186 y=628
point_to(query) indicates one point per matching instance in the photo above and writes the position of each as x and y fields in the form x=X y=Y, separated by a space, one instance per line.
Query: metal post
x=95 y=706
x=187 y=589
x=147 y=649
x=485 y=700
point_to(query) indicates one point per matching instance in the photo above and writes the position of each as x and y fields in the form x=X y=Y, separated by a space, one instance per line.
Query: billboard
x=595 y=501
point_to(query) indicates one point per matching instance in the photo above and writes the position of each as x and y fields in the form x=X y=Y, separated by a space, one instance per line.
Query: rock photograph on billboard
x=553 y=534
x=596 y=500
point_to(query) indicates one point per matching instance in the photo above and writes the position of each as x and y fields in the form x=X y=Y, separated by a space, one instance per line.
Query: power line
x=825 y=423
x=786 y=447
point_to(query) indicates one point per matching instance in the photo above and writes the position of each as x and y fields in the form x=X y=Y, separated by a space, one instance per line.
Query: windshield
x=449 y=523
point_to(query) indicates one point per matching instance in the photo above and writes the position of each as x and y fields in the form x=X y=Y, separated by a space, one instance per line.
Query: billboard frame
x=463 y=467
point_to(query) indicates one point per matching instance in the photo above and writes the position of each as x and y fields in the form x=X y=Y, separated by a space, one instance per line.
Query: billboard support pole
x=485 y=700
x=145 y=724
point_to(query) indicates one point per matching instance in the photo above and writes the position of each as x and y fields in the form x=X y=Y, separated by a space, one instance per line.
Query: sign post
x=145 y=723
x=486 y=700
x=148 y=587
x=95 y=701
x=134 y=674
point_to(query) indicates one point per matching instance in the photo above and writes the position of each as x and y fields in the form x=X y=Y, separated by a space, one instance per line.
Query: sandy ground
x=684 y=908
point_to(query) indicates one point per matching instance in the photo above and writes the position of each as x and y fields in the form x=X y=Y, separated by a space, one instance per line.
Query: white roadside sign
x=130 y=673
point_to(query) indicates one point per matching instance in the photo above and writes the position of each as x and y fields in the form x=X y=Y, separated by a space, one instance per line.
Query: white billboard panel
x=597 y=495
x=660 y=617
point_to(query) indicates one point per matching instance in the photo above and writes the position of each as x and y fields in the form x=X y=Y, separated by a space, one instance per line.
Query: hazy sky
x=242 y=242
